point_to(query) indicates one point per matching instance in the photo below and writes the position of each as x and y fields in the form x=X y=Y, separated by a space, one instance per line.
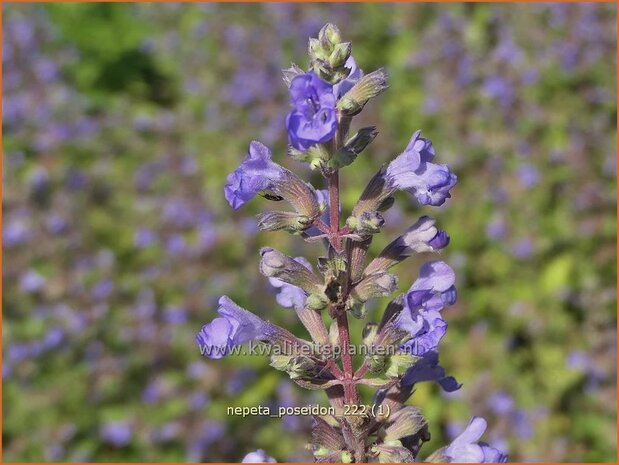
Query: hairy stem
x=334 y=209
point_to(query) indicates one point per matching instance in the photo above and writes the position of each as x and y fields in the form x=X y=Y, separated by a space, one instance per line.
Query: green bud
x=317 y=155
x=280 y=362
x=316 y=301
x=331 y=266
x=329 y=36
x=352 y=222
x=367 y=87
x=301 y=367
x=346 y=457
x=341 y=53
x=328 y=54
x=368 y=223
x=288 y=221
x=376 y=363
x=316 y=50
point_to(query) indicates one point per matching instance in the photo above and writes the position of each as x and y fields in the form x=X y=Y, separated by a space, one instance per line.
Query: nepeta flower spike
x=325 y=99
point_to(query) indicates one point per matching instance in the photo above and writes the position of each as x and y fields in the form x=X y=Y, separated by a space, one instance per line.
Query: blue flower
x=420 y=317
x=313 y=119
x=291 y=296
x=256 y=173
x=466 y=449
x=434 y=289
x=235 y=326
x=117 y=433
x=423 y=236
x=427 y=329
x=413 y=171
x=258 y=456
x=491 y=454
x=428 y=369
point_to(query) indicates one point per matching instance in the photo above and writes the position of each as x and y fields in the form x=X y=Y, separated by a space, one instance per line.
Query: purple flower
x=523 y=248
x=428 y=369
x=258 y=456
x=175 y=315
x=256 y=173
x=427 y=329
x=492 y=455
x=466 y=449
x=103 y=289
x=499 y=88
x=413 y=171
x=144 y=237
x=356 y=73
x=423 y=236
x=501 y=402
x=15 y=232
x=290 y=296
x=528 y=176
x=117 y=433
x=434 y=289
x=313 y=119
x=31 y=282
x=235 y=326
x=496 y=227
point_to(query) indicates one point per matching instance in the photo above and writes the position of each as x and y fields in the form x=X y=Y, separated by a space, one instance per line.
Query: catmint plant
x=400 y=350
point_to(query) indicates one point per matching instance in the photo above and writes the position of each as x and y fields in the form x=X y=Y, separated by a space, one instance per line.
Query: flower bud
x=325 y=438
x=317 y=301
x=403 y=423
x=329 y=36
x=375 y=285
x=329 y=55
x=370 y=222
x=423 y=236
x=274 y=264
x=367 y=87
x=288 y=221
x=340 y=54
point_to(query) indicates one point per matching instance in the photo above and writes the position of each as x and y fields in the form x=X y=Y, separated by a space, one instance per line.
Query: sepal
x=404 y=423
x=289 y=74
x=392 y=452
x=274 y=264
x=375 y=285
x=288 y=221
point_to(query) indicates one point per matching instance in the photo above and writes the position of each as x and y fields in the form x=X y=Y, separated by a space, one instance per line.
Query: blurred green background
x=120 y=124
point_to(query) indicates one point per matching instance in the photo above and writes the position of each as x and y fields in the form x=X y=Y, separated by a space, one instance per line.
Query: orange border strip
x=308 y=1
x=616 y=2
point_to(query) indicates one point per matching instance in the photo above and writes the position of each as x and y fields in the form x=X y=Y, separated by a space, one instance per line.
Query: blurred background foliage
x=120 y=124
